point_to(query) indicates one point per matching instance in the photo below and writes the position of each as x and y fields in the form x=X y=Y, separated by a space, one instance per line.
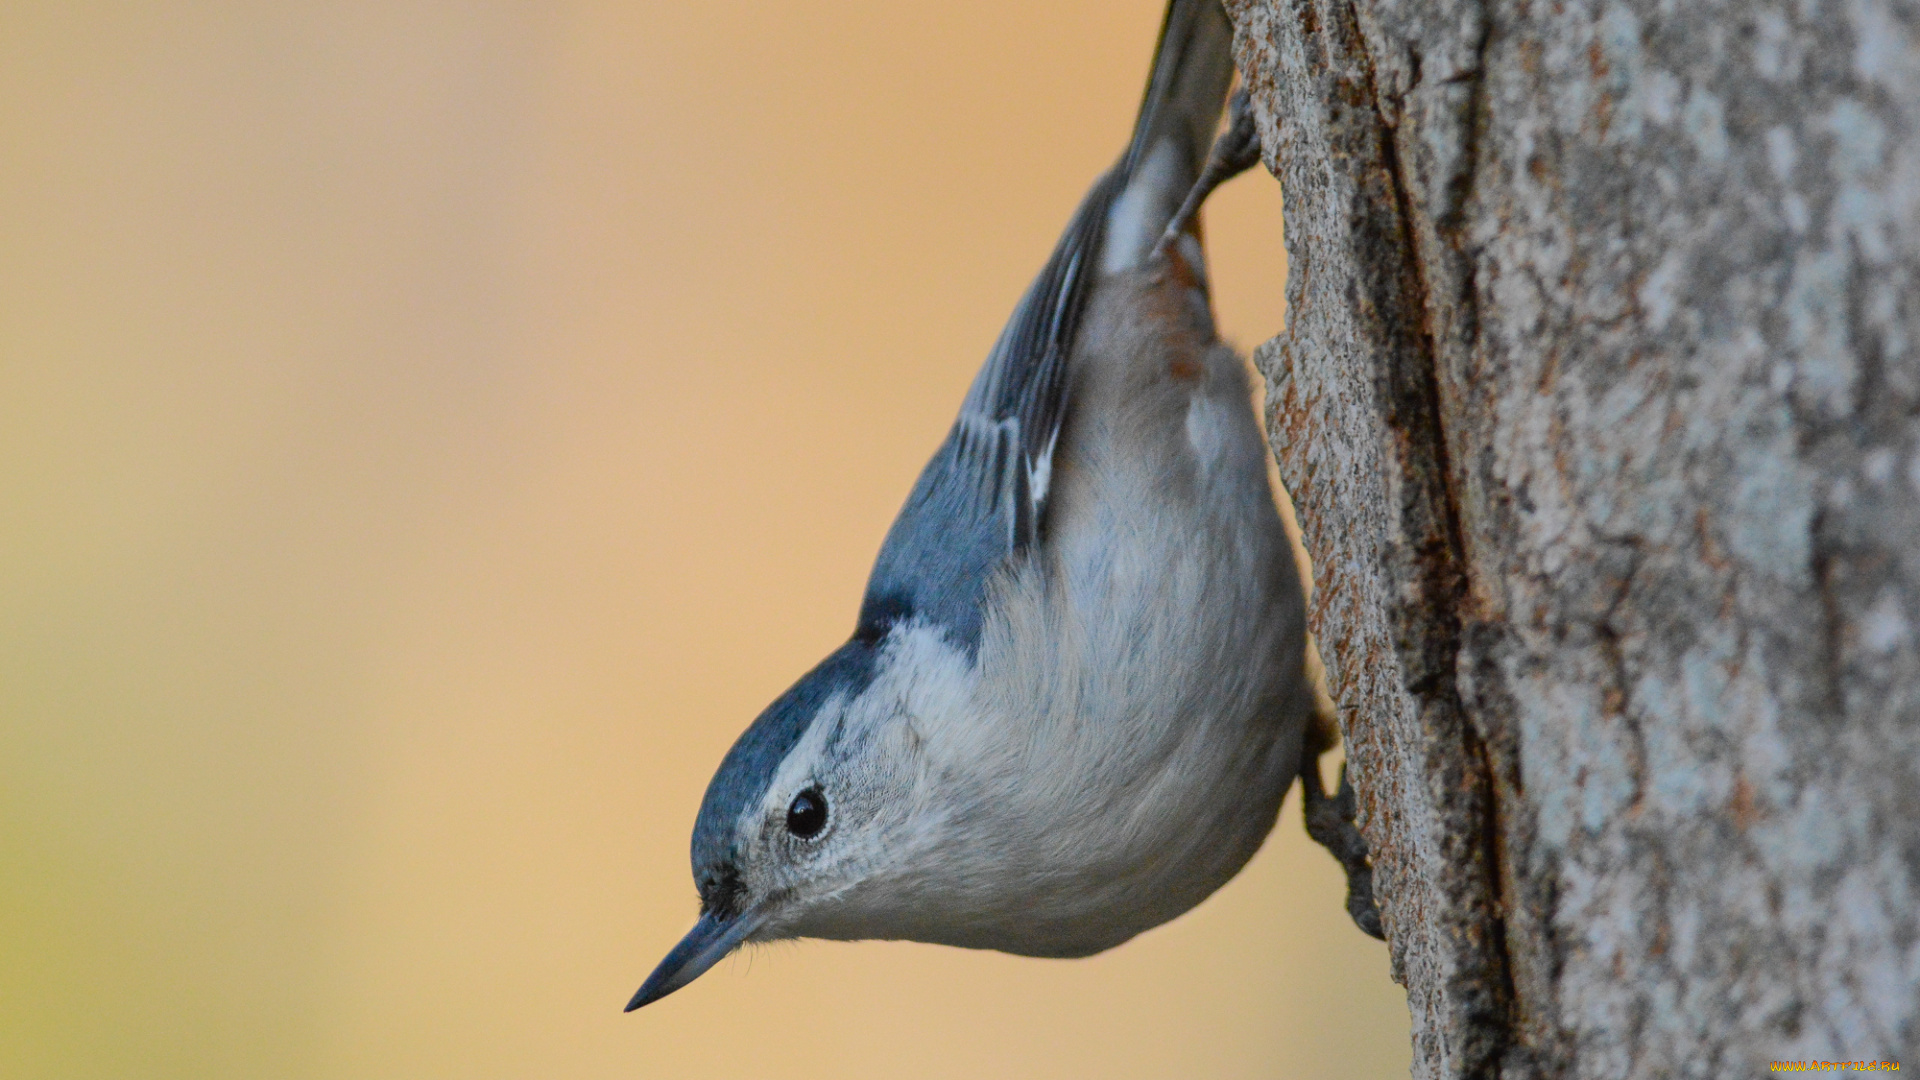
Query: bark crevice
x=1485 y=995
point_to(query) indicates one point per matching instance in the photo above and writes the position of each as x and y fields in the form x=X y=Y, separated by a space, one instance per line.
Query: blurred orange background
x=429 y=433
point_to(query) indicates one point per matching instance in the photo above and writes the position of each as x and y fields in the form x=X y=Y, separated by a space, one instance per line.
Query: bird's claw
x=1234 y=152
x=1330 y=822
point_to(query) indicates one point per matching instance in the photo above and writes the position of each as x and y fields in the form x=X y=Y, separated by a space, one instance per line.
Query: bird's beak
x=712 y=938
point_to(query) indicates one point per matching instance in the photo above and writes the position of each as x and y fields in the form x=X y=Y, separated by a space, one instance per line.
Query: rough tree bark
x=1598 y=403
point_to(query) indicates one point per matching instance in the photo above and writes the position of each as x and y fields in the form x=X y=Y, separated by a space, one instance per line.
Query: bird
x=1075 y=694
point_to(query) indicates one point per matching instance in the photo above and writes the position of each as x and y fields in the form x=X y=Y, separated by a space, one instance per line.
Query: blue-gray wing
x=983 y=497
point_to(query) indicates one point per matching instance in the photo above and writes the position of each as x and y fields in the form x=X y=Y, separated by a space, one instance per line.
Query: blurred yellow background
x=429 y=433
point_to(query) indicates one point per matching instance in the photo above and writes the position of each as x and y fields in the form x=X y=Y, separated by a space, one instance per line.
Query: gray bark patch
x=1598 y=402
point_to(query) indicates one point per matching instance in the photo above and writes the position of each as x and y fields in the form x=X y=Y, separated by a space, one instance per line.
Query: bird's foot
x=1330 y=821
x=1234 y=152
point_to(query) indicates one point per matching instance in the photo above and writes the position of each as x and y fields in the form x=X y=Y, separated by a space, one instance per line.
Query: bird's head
x=818 y=803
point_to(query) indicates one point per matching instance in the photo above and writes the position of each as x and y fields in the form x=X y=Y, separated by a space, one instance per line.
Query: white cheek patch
x=922 y=684
x=924 y=673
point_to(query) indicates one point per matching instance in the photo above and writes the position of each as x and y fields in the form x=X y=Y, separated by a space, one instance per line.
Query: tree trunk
x=1598 y=400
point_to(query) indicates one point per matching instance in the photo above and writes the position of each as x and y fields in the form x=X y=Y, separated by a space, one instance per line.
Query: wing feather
x=983 y=497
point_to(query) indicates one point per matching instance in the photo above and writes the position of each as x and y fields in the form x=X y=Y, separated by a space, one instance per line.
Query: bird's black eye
x=807 y=814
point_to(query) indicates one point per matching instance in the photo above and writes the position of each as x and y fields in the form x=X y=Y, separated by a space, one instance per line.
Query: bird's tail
x=1186 y=91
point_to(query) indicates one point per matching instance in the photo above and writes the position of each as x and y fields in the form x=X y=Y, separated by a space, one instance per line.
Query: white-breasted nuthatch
x=1075 y=695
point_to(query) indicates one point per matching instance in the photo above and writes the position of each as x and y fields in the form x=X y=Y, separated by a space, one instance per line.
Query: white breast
x=1138 y=703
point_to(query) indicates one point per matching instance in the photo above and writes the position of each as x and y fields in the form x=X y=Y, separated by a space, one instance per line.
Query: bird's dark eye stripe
x=807 y=814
